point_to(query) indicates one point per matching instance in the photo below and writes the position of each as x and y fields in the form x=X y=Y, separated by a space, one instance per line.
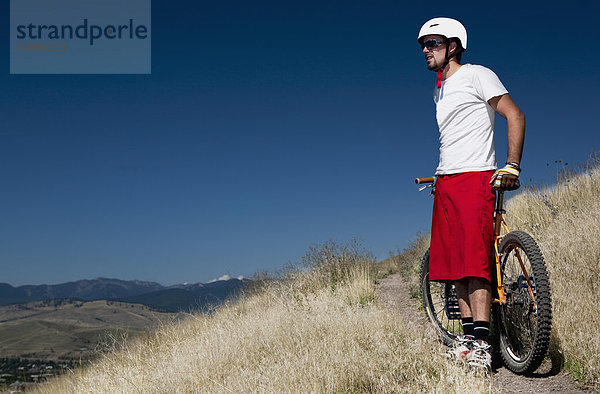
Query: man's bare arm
x=515 y=119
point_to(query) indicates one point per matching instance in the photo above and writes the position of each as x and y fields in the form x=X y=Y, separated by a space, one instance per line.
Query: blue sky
x=264 y=128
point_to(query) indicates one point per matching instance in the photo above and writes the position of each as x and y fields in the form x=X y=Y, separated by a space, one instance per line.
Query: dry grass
x=312 y=330
x=565 y=220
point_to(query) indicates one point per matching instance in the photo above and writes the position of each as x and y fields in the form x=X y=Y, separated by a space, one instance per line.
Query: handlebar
x=419 y=181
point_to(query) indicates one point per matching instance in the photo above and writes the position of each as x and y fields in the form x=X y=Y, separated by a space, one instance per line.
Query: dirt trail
x=394 y=292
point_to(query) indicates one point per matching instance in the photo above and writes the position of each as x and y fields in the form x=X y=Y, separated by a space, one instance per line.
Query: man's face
x=434 y=55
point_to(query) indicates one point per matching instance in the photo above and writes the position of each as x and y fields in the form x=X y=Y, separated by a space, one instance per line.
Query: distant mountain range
x=183 y=297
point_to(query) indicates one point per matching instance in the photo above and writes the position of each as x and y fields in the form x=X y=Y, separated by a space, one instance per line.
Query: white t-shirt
x=466 y=120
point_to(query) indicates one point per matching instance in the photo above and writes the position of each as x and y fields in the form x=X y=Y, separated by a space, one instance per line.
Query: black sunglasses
x=431 y=44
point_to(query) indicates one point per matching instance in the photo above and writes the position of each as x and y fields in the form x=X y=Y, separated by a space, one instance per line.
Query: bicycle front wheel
x=441 y=305
x=523 y=324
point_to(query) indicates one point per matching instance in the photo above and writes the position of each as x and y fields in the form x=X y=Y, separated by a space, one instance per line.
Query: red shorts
x=462 y=231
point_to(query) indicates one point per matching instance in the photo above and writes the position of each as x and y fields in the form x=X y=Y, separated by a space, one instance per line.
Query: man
x=467 y=98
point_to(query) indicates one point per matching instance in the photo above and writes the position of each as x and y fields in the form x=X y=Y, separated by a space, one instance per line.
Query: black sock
x=482 y=330
x=467 y=324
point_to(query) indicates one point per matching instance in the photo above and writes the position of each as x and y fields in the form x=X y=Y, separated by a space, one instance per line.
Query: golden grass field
x=312 y=330
x=316 y=327
x=565 y=220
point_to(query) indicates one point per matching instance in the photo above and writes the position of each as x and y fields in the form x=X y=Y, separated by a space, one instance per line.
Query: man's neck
x=450 y=69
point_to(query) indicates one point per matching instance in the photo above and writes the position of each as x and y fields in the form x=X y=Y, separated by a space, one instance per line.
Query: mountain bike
x=521 y=310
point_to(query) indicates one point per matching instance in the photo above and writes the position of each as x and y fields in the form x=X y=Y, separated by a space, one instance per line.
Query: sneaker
x=479 y=358
x=460 y=349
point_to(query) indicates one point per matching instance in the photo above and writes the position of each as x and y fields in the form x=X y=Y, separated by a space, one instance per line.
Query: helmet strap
x=440 y=70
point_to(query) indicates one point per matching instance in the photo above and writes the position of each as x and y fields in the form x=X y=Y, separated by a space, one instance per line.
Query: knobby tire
x=522 y=325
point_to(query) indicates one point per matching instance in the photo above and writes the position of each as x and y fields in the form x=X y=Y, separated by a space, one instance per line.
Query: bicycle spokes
x=526 y=277
x=441 y=305
x=519 y=314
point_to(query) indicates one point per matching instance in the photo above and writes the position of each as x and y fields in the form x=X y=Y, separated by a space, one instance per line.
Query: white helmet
x=447 y=27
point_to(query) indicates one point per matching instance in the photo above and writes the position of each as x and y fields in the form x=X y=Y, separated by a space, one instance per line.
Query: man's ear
x=452 y=47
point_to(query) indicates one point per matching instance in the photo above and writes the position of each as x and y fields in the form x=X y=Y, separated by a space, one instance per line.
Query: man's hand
x=506 y=178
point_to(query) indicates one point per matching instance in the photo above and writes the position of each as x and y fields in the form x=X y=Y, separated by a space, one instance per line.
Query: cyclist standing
x=467 y=98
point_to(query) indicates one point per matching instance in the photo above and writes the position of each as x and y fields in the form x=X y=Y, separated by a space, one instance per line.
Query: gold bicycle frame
x=499 y=224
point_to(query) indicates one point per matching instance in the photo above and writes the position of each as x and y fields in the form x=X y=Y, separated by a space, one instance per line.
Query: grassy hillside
x=310 y=330
x=316 y=327
x=565 y=221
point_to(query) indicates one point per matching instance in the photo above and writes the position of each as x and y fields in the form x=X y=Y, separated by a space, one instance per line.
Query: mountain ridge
x=175 y=298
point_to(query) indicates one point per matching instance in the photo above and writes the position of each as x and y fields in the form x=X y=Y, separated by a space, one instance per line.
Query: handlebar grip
x=430 y=179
